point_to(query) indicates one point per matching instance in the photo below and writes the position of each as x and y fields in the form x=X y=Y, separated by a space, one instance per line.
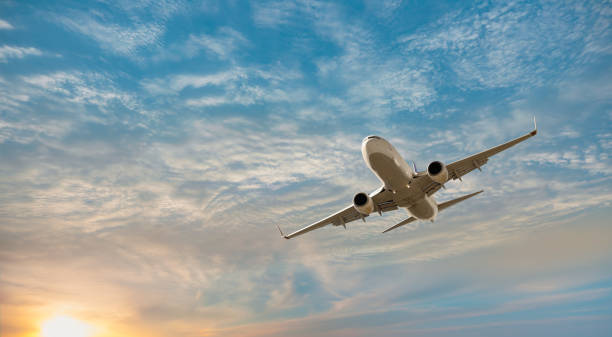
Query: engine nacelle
x=363 y=203
x=437 y=172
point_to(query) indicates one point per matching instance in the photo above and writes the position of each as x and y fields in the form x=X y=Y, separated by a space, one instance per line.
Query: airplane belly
x=424 y=209
x=388 y=171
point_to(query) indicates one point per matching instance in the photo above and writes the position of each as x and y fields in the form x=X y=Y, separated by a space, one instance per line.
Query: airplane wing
x=383 y=202
x=458 y=169
x=464 y=166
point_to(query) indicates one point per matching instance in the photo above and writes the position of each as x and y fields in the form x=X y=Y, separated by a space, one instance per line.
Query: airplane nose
x=366 y=139
x=368 y=142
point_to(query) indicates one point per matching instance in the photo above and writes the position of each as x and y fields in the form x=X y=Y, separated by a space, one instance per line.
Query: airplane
x=403 y=187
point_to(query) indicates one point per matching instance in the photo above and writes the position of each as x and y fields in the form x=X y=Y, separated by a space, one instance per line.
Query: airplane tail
x=441 y=207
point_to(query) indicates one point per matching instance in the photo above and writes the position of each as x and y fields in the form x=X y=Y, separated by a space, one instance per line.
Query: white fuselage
x=396 y=175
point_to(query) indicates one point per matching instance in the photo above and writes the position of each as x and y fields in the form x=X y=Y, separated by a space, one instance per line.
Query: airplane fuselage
x=396 y=175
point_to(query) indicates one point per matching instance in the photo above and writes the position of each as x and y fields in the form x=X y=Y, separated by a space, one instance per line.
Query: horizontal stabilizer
x=407 y=221
x=441 y=207
x=449 y=203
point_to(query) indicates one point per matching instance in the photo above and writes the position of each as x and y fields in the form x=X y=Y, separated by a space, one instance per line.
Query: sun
x=65 y=326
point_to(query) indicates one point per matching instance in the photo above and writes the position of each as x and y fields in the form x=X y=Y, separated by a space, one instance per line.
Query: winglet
x=281 y=232
x=535 y=127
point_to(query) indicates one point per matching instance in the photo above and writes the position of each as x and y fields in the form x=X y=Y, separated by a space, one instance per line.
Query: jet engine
x=437 y=172
x=363 y=203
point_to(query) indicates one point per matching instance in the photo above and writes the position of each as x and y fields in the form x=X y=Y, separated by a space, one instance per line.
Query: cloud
x=592 y=160
x=8 y=52
x=81 y=87
x=273 y=13
x=222 y=45
x=374 y=83
x=508 y=44
x=137 y=27
x=180 y=82
x=122 y=40
x=5 y=25
x=67 y=99
x=242 y=86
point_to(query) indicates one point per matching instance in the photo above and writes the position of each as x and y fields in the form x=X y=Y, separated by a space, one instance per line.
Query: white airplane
x=404 y=187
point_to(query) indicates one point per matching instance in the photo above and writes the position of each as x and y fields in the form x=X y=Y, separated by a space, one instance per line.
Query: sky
x=148 y=149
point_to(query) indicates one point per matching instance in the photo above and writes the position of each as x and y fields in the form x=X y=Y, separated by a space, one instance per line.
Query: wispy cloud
x=177 y=83
x=274 y=13
x=242 y=86
x=80 y=87
x=8 y=52
x=123 y=40
x=504 y=44
x=221 y=45
x=373 y=86
x=5 y=25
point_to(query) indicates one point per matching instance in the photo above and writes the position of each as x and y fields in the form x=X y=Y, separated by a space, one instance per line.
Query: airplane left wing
x=383 y=202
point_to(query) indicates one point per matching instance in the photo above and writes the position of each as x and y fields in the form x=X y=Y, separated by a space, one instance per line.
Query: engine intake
x=437 y=172
x=363 y=203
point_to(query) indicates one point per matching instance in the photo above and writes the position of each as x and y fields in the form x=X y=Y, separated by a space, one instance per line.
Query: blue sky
x=148 y=149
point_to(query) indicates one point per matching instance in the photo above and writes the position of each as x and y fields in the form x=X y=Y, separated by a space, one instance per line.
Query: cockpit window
x=375 y=137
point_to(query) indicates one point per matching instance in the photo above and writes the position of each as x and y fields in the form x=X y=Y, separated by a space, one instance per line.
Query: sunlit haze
x=149 y=149
x=64 y=326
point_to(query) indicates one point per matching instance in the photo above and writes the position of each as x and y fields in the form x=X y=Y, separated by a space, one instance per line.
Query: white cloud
x=5 y=25
x=7 y=52
x=222 y=45
x=508 y=44
x=82 y=87
x=208 y=101
x=377 y=84
x=142 y=31
x=176 y=83
x=273 y=13
x=123 y=40
x=587 y=160
x=237 y=85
